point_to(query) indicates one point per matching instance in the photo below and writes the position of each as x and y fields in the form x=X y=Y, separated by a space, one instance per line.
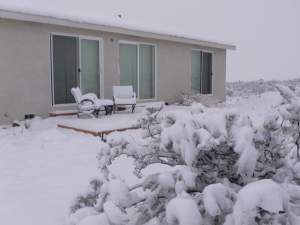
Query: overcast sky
x=266 y=32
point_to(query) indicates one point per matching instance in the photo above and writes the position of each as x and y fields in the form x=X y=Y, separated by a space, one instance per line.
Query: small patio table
x=107 y=104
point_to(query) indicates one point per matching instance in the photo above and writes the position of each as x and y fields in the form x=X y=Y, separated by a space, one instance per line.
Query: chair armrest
x=87 y=100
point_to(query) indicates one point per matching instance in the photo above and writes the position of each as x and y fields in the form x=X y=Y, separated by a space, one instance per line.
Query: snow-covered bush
x=224 y=170
x=150 y=121
x=290 y=113
x=260 y=202
x=189 y=99
x=183 y=210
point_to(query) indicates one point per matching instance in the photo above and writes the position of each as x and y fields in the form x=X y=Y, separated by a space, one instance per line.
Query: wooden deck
x=63 y=113
x=100 y=134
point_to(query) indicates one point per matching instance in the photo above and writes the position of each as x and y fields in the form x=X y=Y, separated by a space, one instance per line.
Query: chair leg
x=133 y=108
x=91 y=115
x=96 y=113
x=110 y=109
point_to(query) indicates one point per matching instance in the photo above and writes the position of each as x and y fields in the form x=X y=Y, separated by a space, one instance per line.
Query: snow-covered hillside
x=234 y=163
x=249 y=88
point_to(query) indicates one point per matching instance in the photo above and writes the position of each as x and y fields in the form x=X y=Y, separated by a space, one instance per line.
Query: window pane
x=64 y=68
x=146 y=72
x=90 y=80
x=196 y=71
x=206 y=73
x=128 y=65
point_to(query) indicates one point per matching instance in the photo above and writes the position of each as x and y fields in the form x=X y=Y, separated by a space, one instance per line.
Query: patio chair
x=124 y=95
x=87 y=104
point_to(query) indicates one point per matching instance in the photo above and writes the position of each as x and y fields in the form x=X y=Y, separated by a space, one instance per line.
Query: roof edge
x=7 y=14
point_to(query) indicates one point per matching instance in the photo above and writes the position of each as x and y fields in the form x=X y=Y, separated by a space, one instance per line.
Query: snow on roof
x=91 y=19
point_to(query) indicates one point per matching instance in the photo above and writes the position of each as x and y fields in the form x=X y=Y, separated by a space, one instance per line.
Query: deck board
x=63 y=113
x=95 y=133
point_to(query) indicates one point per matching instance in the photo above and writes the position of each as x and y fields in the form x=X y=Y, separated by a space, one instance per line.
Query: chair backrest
x=76 y=92
x=123 y=91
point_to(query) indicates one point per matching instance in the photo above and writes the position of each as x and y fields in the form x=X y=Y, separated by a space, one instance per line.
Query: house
x=43 y=57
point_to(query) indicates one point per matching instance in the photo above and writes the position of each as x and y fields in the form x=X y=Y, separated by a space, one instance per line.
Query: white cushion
x=125 y=101
x=91 y=96
x=123 y=92
x=105 y=102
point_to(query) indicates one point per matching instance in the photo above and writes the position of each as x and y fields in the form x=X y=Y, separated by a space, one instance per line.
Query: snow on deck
x=119 y=120
x=103 y=123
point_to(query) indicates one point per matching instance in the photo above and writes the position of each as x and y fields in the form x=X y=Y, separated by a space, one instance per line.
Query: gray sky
x=266 y=32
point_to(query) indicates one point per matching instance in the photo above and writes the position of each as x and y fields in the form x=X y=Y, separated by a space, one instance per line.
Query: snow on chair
x=87 y=104
x=124 y=95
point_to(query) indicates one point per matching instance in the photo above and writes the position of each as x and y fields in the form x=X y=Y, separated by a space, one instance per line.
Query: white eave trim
x=112 y=29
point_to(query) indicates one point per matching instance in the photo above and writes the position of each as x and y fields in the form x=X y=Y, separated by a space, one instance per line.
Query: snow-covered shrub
x=188 y=99
x=260 y=202
x=269 y=141
x=183 y=210
x=185 y=99
x=225 y=170
x=150 y=121
x=88 y=199
x=218 y=199
x=229 y=92
x=290 y=113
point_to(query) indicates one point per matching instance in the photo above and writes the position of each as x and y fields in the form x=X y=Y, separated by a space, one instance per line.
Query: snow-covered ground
x=42 y=169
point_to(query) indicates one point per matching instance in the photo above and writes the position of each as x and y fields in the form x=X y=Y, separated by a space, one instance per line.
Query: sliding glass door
x=64 y=62
x=137 y=68
x=75 y=62
x=146 y=71
x=196 y=71
x=201 y=68
x=206 y=87
x=89 y=73
x=128 y=65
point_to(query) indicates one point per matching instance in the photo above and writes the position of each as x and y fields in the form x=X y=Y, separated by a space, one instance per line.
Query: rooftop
x=89 y=19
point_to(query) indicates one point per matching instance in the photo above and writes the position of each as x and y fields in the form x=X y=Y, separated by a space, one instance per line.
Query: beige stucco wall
x=25 y=67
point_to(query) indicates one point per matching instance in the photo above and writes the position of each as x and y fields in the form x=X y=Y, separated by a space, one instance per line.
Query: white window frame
x=212 y=69
x=137 y=44
x=101 y=63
